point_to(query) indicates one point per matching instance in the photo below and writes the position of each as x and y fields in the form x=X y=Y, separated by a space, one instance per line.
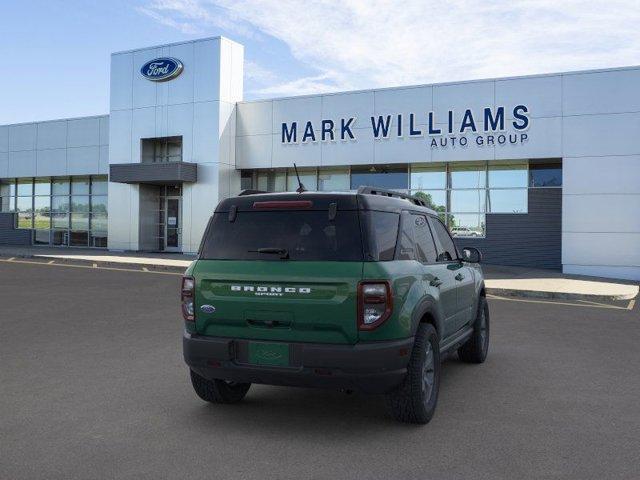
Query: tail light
x=186 y=297
x=375 y=304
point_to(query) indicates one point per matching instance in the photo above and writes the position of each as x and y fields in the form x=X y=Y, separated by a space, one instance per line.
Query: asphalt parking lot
x=92 y=385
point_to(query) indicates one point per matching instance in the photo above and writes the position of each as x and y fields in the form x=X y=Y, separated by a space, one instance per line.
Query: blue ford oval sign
x=162 y=69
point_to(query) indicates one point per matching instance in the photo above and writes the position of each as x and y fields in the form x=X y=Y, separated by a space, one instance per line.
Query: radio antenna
x=300 y=188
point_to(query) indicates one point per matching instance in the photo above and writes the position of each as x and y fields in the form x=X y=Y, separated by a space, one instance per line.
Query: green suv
x=361 y=291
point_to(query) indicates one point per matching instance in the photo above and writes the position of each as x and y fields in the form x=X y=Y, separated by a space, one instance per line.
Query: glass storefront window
x=508 y=201
x=80 y=203
x=272 y=181
x=78 y=239
x=41 y=237
x=435 y=199
x=432 y=177
x=473 y=201
x=466 y=224
x=383 y=176
x=98 y=239
x=80 y=221
x=80 y=186
x=508 y=176
x=98 y=222
x=60 y=237
x=60 y=186
x=308 y=177
x=99 y=203
x=25 y=188
x=42 y=212
x=246 y=180
x=333 y=179
x=59 y=204
x=42 y=186
x=545 y=175
x=99 y=185
x=468 y=176
x=60 y=220
x=24 y=207
x=7 y=195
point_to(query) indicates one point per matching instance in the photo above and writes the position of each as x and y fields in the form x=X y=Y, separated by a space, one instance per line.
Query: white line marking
x=50 y=262
x=631 y=304
x=614 y=307
x=91 y=267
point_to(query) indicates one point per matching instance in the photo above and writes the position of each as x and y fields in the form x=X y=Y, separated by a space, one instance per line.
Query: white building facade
x=535 y=171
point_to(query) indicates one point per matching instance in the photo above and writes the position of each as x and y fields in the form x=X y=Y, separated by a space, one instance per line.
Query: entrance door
x=173 y=227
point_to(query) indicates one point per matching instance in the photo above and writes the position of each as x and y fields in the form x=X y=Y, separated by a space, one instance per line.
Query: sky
x=55 y=53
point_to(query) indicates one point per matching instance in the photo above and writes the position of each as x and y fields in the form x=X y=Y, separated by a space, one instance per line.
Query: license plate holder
x=269 y=354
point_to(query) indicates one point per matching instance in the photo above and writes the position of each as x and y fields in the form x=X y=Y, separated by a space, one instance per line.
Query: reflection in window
x=308 y=176
x=468 y=201
x=435 y=199
x=272 y=181
x=60 y=186
x=508 y=201
x=58 y=209
x=80 y=186
x=466 y=224
x=99 y=185
x=42 y=212
x=433 y=177
x=468 y=176
x=333 y=179
x=383 y=176
x=545 y=175
x=508 y=176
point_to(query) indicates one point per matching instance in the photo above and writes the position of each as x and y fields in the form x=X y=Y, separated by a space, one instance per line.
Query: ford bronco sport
x=358 y=291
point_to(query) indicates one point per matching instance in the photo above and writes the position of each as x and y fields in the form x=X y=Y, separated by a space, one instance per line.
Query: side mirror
x=471 y=255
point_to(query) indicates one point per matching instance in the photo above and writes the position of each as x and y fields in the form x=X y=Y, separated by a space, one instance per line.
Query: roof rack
x=391 y=193
x=251 y=192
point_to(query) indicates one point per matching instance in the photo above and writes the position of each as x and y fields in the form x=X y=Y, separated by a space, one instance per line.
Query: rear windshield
x=303 y=235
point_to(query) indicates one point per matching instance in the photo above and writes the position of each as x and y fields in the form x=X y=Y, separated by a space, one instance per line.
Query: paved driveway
x=92 y=385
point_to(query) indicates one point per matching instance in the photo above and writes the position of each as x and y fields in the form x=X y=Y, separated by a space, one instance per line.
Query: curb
x=509 y=292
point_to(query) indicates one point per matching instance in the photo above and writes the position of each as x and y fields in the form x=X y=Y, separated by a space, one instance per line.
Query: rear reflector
x=283 y=204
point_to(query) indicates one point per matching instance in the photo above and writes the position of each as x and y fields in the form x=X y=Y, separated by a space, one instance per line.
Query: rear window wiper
x=284 y=254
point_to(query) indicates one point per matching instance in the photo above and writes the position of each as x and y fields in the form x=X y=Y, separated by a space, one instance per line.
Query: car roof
x=322 y=200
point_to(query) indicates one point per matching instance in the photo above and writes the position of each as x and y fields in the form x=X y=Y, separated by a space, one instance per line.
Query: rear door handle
x=436 y=282
x=459 y=277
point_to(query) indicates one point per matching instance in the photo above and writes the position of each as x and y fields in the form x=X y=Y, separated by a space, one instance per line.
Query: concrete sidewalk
x=499 y=280
x=543 y=283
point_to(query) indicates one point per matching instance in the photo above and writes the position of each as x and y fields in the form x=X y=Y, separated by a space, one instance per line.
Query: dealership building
x=540 y=171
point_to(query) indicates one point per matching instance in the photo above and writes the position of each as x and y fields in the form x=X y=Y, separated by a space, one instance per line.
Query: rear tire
x=218 y=391
x=477 y=347
x=414 y=401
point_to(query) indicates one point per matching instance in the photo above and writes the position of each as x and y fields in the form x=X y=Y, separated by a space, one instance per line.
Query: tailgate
x=296 y=301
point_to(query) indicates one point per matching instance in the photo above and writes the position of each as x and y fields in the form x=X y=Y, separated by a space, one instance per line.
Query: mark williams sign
x=490 y=127
x=162 y=69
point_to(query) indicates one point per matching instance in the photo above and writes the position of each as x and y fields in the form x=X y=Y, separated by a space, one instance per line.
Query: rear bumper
x=374 y=367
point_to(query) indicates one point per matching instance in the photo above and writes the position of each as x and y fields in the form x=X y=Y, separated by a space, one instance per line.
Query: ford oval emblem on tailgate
x=207 y=308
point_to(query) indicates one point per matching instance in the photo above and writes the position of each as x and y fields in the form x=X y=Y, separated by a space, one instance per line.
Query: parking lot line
x=90 y=267
x=587 y=303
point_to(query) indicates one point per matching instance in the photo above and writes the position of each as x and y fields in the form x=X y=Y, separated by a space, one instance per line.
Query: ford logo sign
x=162 y=69
x=207 y=308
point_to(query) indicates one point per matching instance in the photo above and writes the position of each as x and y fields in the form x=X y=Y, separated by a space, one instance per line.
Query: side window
x=426 y=249
x=406 y=248
x=446 y=248
x=382 y=233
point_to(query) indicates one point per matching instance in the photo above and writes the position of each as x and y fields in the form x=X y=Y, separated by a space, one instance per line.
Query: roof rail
x=250 y=192
x=391 y=193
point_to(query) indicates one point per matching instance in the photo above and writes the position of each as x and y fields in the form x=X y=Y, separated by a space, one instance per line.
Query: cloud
x=354 y=44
